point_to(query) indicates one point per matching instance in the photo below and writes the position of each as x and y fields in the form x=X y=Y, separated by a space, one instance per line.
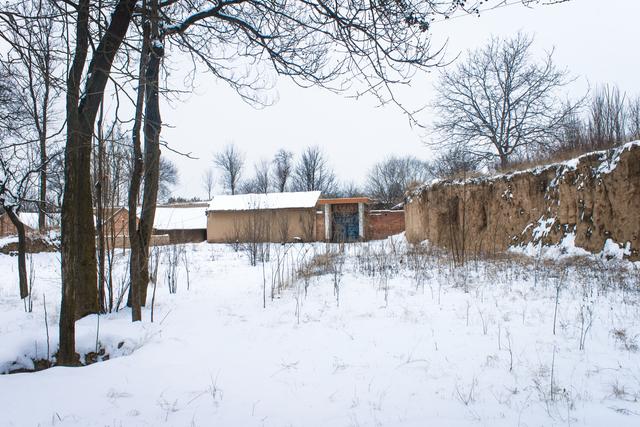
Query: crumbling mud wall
x=593 y=200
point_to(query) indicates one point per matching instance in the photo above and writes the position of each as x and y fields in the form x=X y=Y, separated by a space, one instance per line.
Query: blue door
x=345 y=227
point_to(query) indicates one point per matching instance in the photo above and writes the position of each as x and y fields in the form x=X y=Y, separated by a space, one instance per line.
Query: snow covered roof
x=30 y=219
x=180 y=218
x=244 y=202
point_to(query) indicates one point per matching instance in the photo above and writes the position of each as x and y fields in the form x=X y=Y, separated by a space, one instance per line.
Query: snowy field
x=381 y=335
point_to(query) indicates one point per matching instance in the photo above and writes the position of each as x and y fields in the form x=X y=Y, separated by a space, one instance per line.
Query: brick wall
x=116 y=224
x=382 y=224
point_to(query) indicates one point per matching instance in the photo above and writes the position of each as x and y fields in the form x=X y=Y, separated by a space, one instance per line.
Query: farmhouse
x=298 y=216
x=275 y=217
x=183 y=223
x=116 y=222
x=173 y=224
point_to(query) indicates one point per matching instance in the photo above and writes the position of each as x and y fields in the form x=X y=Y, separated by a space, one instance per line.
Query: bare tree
x=350 y=189
x=55 y=180
x=167 y=179
x=230 y=161
x=453 y=163
x=313 y=173
x=611 y=119
x=151 y=58
x=112 y=174
x=33 y=57
x=282 y=169
x=138 y=230
x=262 y=176
x=16 y=176
x=79 y=269
x=261 y=181
x=634 y=118
x=607 y=117
x=208 y=182
x=18 y=166
x=574 y=134
x=500 y=103
x=388 y=180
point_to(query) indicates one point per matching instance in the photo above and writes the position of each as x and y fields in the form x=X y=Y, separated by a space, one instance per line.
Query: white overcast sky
x=596 y=40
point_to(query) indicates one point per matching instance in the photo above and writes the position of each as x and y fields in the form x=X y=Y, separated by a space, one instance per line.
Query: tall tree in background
x=607 y=117
x=454 y=163
x=612 y=118
x=634 y=118
x=262 y=178
x=168 y=178
x=499 y=102
x=388 y=180
x=313 y=173
x=261 y=181
x=230 y=162
x=17 y=165
x=282 y=169
x=34 y=55
x=208 y=182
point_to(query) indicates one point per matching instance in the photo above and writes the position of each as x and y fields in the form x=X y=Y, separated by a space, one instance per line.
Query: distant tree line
x=386 y=182
x=311 y=171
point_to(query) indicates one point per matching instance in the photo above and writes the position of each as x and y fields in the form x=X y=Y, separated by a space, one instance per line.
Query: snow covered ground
x=412 y=342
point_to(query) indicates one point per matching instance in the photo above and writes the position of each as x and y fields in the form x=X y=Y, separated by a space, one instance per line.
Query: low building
x=183 y=223
x=173 y=224
x=297 y=216
x=275 y=217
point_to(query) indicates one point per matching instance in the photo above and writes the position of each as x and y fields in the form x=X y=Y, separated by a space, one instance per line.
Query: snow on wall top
x=172 y=218
x=609 y=159
x=244 y=202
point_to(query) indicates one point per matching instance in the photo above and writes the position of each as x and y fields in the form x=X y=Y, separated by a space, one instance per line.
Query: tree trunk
x=152 y=124
x=42 y=203
x=79 y=290
x=22 y=250
x=100 y=211
x=71 y=211
x=44 y=160
x=504 y=161
x=135 y=241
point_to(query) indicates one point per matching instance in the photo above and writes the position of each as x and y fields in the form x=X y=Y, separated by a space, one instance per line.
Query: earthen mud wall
x=594 y=198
